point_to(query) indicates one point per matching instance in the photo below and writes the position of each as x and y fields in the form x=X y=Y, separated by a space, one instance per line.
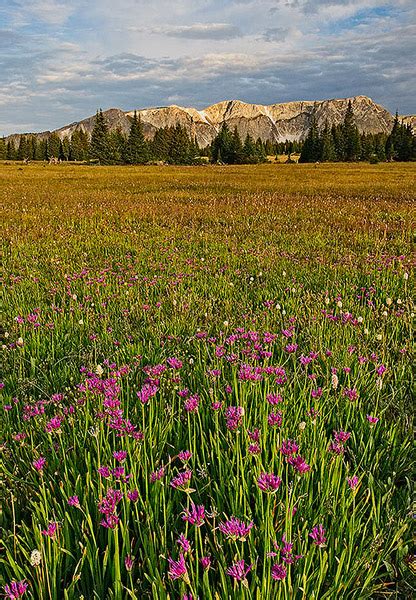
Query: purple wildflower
x=238 y=571
x=15 y=589
x=177 y=568
x=195 y=515
x=236 y=529
x=318 y=535
x=268 y=482
x=279 y=572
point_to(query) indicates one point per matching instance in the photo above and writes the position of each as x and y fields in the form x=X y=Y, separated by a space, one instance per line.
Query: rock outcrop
x=274 y=122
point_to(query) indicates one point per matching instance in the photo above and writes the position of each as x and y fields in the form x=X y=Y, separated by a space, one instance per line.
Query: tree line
x=345 y=143
x=174 y=145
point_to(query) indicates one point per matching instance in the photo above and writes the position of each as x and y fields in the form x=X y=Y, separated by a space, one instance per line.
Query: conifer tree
x=99 y=139
x=311 y=146
x=351 y=137
x=53 y=146
x=136 y=150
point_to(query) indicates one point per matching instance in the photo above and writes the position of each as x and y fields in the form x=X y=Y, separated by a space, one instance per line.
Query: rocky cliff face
x=274 y=122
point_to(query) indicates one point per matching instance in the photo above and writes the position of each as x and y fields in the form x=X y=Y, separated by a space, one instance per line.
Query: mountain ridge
x=276 y=122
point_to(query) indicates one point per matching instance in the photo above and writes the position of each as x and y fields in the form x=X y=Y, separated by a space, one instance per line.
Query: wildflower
x=192 y=403
x=334 y=381
x=133 y=495
x=274 y=398
x=182 y=480
x=206 y=562
x=275 y=418
x=157 y=475
x=177 y=568
x=268 y=482
x=216 y=406
x=120 y=455
x=184 y=543
x=195 y=515
x=254 y=449
x=278 y=572
x=238 y=571
x=128 y=562
x=15 y=589
x=299 y=464
x=74 y=501
x=372 y=420
x=39 y=464
x=236 y=529
x=289 y=447
x=353 y=482
x=35 y=558
x=351 y=394
x=234 y=415
x=51 y=530
x=104 y=472
x=185 y=455
x=318 y=535
x=342 y=436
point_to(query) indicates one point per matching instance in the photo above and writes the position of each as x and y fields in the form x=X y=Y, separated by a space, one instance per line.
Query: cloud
x=275 y=34
x=200 y=31
x=57 y=67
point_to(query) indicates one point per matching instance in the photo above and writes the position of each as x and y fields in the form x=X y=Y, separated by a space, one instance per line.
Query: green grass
x=124 y=268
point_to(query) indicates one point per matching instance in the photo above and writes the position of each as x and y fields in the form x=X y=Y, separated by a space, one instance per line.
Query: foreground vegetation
x=207 y=382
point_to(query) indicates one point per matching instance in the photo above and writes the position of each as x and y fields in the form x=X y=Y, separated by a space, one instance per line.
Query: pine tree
x=311 y=146
x=11 y=150
x=117 y=146
x=99 y=139
x=53 y=146
x=222 y=146
x=22 y=151
x=351 y=138
x=136 y=151
x=327 y=149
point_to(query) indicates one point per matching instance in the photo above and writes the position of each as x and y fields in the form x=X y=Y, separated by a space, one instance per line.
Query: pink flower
x=184 y=543
x=192 y=403
x=353 y=482
x=275 y=418
x=177 y=568
x=289 y=447
x=238 y=571
x=195 y=515
x=120 y=455
x=299 y=464
x=39 y=464
x=236 y=529
x=15 y=589
x=372 y=420
x=157 y=475
x=51 y=530
x=185 y=455
x=128 y=562
x=268 y=482
x=74 y=501
x=318 y=535
x=279 y=572
x=274 y=398
x=133 y=495
x=206 y=562
x=182 y=480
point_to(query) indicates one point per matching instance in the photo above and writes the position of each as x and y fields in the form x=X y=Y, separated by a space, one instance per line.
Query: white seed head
x=99 y=370
x=389 y=301
x=339 y=304
x=35 y=558
x=360 y=319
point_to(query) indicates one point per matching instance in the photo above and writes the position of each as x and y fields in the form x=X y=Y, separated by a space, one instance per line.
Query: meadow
x=206 y=385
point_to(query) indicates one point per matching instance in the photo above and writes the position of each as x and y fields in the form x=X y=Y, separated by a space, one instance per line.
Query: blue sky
x=60 y=60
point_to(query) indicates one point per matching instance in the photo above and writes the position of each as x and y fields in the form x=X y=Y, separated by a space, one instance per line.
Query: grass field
x=207 y=382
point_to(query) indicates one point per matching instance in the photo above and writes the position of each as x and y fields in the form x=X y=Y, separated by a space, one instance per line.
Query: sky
x=60 y=60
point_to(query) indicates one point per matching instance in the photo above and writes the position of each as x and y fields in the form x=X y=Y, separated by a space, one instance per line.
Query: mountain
x=274 y=122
